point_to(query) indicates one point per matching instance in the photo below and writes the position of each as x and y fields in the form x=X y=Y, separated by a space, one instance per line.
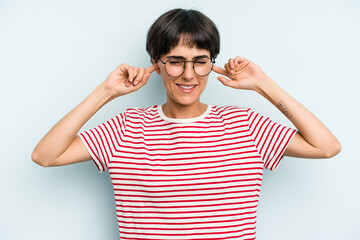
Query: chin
x=185 y=101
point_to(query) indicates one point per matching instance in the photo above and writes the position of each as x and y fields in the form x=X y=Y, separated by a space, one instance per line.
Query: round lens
x=174 y=67
x=202 y=67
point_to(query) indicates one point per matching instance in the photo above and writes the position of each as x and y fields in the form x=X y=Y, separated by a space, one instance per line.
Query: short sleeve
x=271 y=139
x=102 y=141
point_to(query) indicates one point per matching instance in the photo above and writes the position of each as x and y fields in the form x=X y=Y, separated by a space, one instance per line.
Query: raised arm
x=313 y=139
x=61 y=146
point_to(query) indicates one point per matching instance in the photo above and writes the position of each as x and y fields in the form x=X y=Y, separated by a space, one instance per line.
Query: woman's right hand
x=126 y=79
x=61 y=146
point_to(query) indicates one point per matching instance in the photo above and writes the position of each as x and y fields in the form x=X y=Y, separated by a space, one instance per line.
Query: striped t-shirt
x=195 y=178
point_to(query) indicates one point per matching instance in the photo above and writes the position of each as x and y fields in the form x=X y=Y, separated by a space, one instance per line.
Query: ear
x=157 y=66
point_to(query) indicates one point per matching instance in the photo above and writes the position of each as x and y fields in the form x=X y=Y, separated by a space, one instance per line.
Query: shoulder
x=137 y=112
x=230 y=110
x=229 y=113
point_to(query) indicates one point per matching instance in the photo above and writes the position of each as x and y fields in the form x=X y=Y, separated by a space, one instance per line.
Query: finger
x=145 y=79
x=228 y=69
x=231 y=63
x=227 y=82
x=219 y=70
x=136 y=73
x=122 y=69
x=146 y=76
x=152 y=68
x=242 y=63
x=237 y=60
x=142 y=82
x=245 y=62
x=140 y=76
x=131 y=75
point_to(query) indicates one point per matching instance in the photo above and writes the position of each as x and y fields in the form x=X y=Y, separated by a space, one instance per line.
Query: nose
x=188 y=73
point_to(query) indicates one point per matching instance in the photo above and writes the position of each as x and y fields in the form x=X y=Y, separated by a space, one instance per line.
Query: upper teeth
x=187 y=87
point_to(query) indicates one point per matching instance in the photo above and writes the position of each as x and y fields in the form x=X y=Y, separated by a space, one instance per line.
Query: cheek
x=162 y=71
x=204 y=83
x=167 y=84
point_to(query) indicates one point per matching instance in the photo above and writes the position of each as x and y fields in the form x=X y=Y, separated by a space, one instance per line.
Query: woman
x=185 y=169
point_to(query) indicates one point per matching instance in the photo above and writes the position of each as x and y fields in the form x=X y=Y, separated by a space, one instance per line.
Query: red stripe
x=99 y=162
x=239 y=237
x=182 y=170
x=141 y=146
x=269 y=141
x=191 y=195
x=133 y=156
x=167 y=133
x=174 y=217
x=272 y=160
x=102 y=148
x=152 y=126
x=170 y=153
x=191 y=206
x=255 y=189
x=192 y=228
x=262 y=139
x=189 y=234
x=282 y=150
x=184 y=212
x=188 y=179
x=236 y=199
x=96 y=160
x=186 y=164
x=168 y=143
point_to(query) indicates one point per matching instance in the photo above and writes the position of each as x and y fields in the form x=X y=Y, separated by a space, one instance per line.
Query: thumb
x=227 y=82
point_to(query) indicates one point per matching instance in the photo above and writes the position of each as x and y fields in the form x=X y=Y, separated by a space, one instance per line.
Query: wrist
x=276 y=95
x=100 y=96
x=266 y=87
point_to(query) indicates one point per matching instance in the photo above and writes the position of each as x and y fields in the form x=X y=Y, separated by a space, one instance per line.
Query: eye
x=175 y=62
x=201 y=62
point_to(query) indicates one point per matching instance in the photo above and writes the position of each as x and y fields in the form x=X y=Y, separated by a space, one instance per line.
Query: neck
x=175 y=110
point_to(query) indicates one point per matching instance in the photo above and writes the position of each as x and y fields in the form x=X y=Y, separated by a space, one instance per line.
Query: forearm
x=59 y=138
x=322 y=143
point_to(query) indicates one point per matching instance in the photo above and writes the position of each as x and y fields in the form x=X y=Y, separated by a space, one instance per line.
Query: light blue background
x=54 y=53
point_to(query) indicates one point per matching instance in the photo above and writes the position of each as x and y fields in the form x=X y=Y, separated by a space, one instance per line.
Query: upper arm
x=75 y=153
x=299 y=147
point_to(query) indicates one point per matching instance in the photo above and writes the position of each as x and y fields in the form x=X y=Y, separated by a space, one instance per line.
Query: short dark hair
x=197 y=29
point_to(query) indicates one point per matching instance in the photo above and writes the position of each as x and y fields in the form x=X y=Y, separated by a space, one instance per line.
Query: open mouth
x=186 y=87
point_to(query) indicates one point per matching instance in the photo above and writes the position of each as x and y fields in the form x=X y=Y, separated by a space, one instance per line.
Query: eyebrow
x=182 y=58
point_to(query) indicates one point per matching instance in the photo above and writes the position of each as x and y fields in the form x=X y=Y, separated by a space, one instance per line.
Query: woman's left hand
x=241 y=73
x=314 y=140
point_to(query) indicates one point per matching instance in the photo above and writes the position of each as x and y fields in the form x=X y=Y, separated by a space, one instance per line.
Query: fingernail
x=136 y=82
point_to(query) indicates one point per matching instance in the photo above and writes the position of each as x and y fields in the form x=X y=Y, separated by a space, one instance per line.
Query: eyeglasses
x=175 y=67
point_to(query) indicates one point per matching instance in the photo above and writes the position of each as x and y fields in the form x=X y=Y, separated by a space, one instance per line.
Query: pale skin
x=61 y=146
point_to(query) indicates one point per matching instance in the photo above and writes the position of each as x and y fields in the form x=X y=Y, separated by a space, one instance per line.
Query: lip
x=187 y=90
